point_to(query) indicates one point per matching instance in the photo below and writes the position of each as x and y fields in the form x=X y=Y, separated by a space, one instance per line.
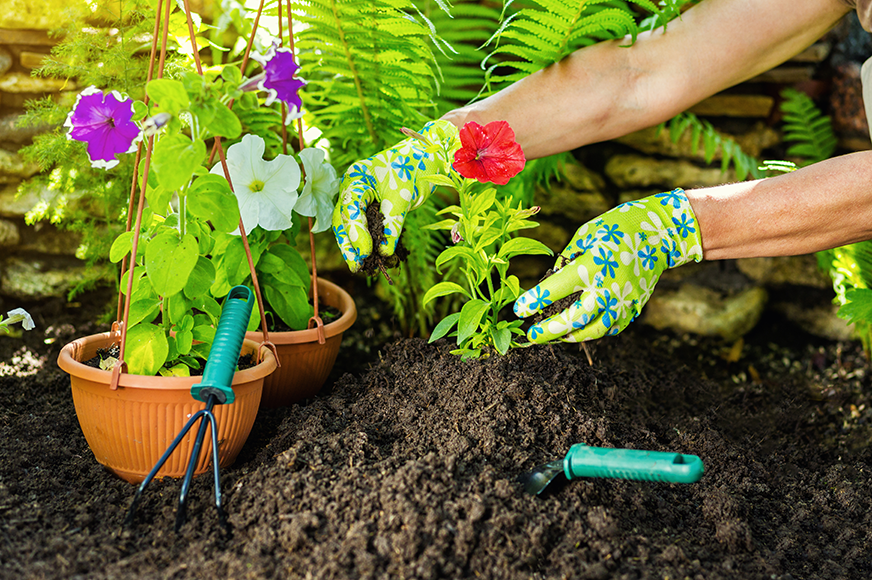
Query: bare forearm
x=822 y=206
x=607 y=90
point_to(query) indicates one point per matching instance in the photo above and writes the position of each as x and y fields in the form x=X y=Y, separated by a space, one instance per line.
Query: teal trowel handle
x=224 y=354
x=585 y=461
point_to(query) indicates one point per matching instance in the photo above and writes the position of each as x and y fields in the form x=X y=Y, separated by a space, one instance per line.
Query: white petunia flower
x=266 y=190
x=319 y=190
x=18 y=315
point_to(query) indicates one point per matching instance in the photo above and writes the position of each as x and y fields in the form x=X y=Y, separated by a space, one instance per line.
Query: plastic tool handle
x=224 y=354
x=585 y=461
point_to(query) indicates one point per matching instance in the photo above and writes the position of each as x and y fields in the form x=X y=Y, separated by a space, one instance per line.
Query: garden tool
x=214 y=389
x=585 y=461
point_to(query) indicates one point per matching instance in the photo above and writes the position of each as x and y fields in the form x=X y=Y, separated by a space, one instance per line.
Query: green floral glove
x=615 y=260
x=392 y=177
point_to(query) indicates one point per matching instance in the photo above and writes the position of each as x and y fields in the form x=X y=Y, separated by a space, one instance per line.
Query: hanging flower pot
x=130 y=427
x=305 y=364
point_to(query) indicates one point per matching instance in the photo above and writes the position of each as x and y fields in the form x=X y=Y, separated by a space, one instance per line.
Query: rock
x=798 y=270
x=17 y=82
x=9 y=235
x=846 y=101
x=636 y=171
x=36 y=279
x=735 y=106
x=13 y=168
x=42 y=15
x=578 y=206
x=10 y=132
x=820 y=320
x=580 y=178
x=5 y=60
x=47 y=239
x=656 y=141
x=703 y=311
x=12 y=205
x=32 y=60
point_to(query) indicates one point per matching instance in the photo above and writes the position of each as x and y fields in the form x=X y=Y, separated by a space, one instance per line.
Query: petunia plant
x=483 y=233
x=205 y=204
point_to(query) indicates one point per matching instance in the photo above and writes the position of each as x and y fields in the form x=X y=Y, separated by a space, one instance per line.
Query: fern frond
x=465 y=29
x=806 y=128
x=370 y=69
x=712 y=142
x=549 y=30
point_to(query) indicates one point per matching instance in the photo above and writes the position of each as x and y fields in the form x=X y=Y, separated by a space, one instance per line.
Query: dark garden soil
x=405 y=466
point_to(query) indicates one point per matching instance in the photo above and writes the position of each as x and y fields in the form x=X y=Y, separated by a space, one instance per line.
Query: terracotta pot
x=305 y=364
x=129 y=428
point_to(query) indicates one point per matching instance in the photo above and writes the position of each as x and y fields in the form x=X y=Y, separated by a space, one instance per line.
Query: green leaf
x=293 y=261
x=526 y=246
x=169 y=261
x=184 y=335
x=444 y=327
x=482 y=202
x=502 y=340
x=121 y=247
x=448 y=254
x=470 y=317
x=175 y=159
x=201 y=279
x=438 y=179
x=290 y=303
x=858 y=306
x=210 y=199
x=443 y=289
x=204 y=333
x=176 y=307
x=169 y=95
x=146 y=349
x=225 y=123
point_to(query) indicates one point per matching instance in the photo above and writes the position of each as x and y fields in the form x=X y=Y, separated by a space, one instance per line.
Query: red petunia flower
x=489 y=153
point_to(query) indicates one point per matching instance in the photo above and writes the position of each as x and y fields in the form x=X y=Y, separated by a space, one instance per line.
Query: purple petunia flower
x=103 y=122
x=278 y=79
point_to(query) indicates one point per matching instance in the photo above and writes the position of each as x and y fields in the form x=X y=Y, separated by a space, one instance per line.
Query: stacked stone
x=38 y=261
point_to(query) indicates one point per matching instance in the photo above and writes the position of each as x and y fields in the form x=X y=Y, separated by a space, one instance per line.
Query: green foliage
x=370 y=72
x=809 y=132
x=533 y=38
x=850 y=268
x=705 y=136
x=483 y=229
x=458 y=49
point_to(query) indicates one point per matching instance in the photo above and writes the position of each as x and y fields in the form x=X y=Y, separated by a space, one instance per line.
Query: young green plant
x=483 y=234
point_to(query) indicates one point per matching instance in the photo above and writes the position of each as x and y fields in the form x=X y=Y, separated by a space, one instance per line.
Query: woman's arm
x=605 y=91
x=818 y=207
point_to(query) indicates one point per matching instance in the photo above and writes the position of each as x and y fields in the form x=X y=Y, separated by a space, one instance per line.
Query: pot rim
x=343 y=302
x=68 y=361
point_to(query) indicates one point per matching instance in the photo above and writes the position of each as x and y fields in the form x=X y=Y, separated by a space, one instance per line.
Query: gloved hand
x=392 y=177
x=615 y=259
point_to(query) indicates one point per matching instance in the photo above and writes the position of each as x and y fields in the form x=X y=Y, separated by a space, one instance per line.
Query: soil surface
x=405 y=465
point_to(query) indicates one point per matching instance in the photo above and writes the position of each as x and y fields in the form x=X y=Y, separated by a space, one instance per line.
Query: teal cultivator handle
x=224 y=354
x=585 y=461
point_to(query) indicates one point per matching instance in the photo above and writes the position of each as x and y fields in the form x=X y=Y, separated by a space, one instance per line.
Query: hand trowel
x=585 y=461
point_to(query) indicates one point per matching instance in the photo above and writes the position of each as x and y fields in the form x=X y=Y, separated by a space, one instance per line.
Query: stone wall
x=38 y=261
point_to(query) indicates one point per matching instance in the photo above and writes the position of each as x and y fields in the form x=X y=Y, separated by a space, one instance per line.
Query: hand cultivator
x=215 y=389
x=584 y=461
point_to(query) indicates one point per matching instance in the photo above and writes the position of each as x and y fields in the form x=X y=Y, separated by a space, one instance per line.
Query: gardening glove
x=614 y=260
x=394 y=178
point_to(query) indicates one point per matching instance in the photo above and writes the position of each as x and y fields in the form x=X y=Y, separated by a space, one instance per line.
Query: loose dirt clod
x=376 y=264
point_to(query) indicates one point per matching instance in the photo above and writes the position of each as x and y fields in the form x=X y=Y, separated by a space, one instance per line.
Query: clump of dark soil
x=405 y=466
x=376 y=264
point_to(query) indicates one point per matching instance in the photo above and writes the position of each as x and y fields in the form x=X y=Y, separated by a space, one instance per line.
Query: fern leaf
x=808 y=131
